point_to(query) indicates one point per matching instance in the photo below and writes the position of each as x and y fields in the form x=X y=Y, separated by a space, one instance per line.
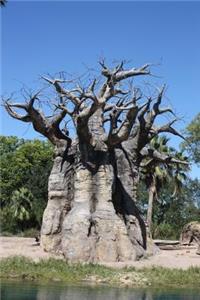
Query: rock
x=191 y=233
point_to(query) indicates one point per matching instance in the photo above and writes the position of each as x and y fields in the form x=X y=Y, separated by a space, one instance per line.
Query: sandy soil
x=12 y=246
x=184 y=258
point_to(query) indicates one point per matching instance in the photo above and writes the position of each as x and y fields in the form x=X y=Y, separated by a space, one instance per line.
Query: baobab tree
x=92 y=213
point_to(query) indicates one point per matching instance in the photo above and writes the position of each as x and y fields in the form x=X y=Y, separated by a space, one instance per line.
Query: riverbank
x=24 y=259
x=54 y=270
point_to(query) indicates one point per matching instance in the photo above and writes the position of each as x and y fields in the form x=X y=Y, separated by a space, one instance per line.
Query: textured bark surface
x=60 y=195
x=91 y=215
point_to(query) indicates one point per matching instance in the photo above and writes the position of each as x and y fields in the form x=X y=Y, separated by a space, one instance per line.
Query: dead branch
x=158 y=156
x=109 y=101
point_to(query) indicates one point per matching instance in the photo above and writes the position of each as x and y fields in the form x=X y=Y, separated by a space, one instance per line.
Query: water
x=31 y=291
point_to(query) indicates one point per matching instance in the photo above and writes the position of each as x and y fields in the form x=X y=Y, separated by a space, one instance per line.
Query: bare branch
x=65 y=109
x=60 y=90
x=147 y=152
x=92 y=86
x=94 y=104
x=32 y=99
x=143 y=111
x=124 y=130
x=144 y=70
x=119 y=74
x=108 y=89
x=158 y=101
x=18 y=105
x=166 y=128
x=57 y=119
x=165 y=110
x=12 y=113
x=121 y=108
x=48 y=128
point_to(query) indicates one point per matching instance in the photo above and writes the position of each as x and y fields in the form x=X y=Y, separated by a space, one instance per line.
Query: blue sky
x=48 y=37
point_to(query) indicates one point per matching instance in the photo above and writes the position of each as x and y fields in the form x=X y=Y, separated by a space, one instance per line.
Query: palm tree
x=157 y=173
x=21 y=206
x=178 y=173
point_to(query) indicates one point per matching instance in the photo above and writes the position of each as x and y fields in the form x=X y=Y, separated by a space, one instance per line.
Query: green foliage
x=25 y=168
x=50 y=269
x=157 y=173
x=21 y=204
x=21 y=207
x=193 y=139
x=164 y=231
x=170 y=214
x=177 y=211
x=165 y=277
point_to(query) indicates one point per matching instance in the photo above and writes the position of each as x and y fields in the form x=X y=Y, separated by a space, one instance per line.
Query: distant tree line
x=25 y=167
x=170 y=213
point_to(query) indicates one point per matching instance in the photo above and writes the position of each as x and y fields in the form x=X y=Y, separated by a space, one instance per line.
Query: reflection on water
x=30 y=291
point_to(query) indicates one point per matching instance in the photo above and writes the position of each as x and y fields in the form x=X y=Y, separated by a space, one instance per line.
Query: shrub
x=165 y=231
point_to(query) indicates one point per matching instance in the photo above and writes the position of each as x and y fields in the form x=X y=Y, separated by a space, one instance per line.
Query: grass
x=51 y=269
x=56 y=270
x=163 y=277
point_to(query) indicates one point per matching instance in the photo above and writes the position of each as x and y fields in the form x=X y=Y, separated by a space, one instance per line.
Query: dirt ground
x=184 y=258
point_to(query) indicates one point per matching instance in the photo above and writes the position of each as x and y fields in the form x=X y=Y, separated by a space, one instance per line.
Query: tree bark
x=60 y=195
x=91 y=214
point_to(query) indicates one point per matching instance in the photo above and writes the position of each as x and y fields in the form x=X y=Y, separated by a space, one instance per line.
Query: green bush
x=165 y=231
x=23 y=183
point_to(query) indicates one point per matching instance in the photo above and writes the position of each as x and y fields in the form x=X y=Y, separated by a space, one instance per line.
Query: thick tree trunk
x=127 y=183
x=91 y=214
x=60 y=195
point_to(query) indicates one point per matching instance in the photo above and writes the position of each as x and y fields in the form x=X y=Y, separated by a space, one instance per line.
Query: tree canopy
x=124 y=107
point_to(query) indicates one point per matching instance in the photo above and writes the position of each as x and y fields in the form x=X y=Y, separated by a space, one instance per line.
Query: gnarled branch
x=107 y=101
